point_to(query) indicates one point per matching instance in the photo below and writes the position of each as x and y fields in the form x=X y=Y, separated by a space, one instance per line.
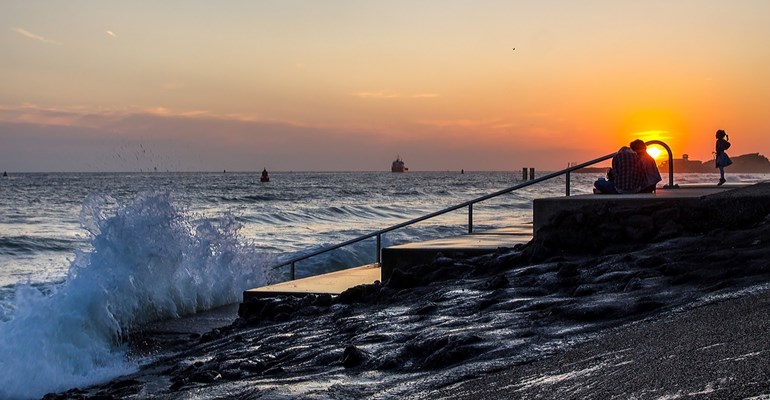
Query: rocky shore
x=657 y=302
x=709 y=351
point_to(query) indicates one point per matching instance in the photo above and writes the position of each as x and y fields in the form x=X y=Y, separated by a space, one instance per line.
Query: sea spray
x=147 y=261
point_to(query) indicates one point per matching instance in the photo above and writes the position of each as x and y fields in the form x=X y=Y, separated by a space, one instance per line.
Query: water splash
x=148 y=261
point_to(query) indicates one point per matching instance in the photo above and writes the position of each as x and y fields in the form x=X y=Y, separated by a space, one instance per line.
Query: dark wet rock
x=721 y=255
x=615 y=276
x=325 y=299
x=352 y=356
x=72 y=394
x=567 y=270
x=650 y=262
x=279 y=308
x=439 y=352
x=426 y=309
x=207 y=376
x=453 y=271
x=645 y=305
x=592 y=312
x=177 y=384
x=211 y=335
x=585 y=290
x=274 y=371
x=231 y=374
x=390 y=362
x=253 y=366
x=504 y=259
x=360 y=293
x=487 y=302
x=103 y=396
x=119 y=389
x=496 y=282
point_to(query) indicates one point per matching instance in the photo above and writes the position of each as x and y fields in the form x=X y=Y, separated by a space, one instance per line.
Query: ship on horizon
x=398 y=165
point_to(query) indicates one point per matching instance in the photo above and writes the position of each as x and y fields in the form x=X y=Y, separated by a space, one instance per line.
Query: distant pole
x=524 y=174
x=531 y=173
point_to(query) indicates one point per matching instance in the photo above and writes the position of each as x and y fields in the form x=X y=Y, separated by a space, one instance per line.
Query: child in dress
x=722 y=160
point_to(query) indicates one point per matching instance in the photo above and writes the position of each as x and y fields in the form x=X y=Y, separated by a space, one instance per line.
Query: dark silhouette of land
x=747 y=163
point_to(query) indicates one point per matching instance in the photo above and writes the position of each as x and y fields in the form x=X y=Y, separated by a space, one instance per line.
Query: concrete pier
x=477 y=243
x=545 y=209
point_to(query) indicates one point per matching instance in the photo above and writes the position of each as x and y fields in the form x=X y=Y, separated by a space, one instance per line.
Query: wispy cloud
x=468 y=123
x=392 y=95
x=95 y=117
x=111 y=33
x=30 y=35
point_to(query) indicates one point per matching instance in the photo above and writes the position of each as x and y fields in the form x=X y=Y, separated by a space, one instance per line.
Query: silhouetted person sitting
x=627 y=174
x=649 y=167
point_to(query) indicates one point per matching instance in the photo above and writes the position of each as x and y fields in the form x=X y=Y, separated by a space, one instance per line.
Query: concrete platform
x=332 y=283
x=545 y=209
x=478 y=243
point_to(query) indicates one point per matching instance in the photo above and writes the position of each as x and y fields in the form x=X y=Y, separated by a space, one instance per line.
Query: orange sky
x=348 y=85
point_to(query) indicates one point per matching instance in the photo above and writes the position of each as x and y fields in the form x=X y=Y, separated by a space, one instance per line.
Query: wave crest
x=148 y=261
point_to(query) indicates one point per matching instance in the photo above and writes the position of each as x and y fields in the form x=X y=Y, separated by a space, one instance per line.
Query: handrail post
x=379 y=246
x=293 y=269
x=470 y=218
x=567 y=182
x=670 y=161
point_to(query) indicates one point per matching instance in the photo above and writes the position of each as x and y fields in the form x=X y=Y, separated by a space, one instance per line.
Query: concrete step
x=337 y=282
x=485 y=242
x=332 y=283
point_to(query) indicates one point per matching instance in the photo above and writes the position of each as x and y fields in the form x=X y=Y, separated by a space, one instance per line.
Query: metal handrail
x=378 y=234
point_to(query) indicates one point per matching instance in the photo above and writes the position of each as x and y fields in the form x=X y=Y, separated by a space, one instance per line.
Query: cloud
x=30 y=35
x=390 y=95
x=468 y=123
x=100 y=117
x=111 y=33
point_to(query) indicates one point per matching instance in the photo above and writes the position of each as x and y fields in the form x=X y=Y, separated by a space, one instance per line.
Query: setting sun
x=654 y=151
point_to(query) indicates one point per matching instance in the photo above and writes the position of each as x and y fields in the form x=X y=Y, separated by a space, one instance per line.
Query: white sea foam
x=148 y=261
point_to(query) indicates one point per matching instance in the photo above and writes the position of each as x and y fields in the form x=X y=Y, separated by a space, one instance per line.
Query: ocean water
x=86 y=258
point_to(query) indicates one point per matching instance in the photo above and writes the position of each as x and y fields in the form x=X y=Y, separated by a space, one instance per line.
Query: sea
x=85 y=258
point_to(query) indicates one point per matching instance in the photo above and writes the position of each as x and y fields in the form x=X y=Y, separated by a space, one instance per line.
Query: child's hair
x=721 y=134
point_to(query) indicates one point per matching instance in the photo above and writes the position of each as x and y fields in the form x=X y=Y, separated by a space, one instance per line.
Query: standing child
x=722 y=159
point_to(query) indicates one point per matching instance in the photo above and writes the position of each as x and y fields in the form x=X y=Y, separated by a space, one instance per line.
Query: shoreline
x=713 y=350
x=584 y=310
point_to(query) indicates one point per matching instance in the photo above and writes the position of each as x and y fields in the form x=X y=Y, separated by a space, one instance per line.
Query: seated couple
x=633 y=171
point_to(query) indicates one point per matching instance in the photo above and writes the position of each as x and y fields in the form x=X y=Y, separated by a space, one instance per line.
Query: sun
x=654 y=151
